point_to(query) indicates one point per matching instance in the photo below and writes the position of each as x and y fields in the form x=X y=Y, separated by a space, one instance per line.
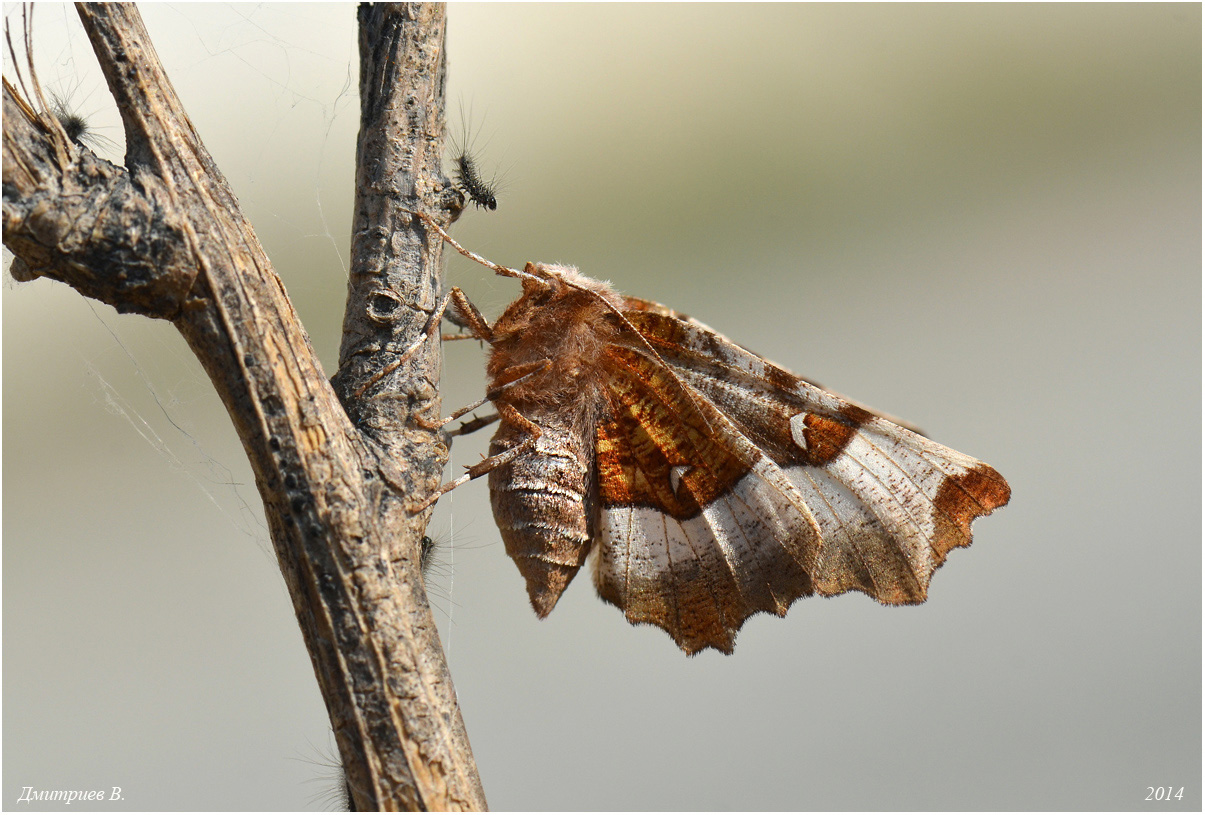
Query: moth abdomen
x=540 y=507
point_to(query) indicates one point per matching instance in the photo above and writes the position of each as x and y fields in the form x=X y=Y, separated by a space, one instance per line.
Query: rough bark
x=336 y=466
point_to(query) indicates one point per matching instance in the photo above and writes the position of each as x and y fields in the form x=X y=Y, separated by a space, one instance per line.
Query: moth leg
x=464 y=314
x=519 y=372
x=514 y=375
x=508 y=413
x=437 y=424
x=474 y=425
x=462 y=307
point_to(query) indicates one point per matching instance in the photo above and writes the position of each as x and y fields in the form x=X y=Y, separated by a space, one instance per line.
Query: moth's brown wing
x=635 y=304
x=890 y=503
x=631 y=304
x=697 y=528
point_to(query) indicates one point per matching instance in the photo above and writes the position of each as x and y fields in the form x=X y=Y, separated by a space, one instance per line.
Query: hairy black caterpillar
x=466 y=168
x=469 y=181
x=76 y=125
x=425 y=551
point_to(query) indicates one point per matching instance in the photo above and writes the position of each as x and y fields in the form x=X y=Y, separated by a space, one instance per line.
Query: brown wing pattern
x=828 y=496
x=694 y=536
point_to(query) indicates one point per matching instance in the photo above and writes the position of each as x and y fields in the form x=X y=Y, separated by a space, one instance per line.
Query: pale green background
x=984 y=219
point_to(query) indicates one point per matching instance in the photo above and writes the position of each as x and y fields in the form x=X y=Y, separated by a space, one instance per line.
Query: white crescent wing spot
x=797 y=429
x=675 y=476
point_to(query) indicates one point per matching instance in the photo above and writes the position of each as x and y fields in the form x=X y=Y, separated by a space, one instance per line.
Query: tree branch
x=165 y=237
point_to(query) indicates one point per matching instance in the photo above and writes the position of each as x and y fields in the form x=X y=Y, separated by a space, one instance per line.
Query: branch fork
x=335 y=463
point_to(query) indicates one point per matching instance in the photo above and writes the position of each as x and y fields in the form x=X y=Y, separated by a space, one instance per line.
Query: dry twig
x=164 y=236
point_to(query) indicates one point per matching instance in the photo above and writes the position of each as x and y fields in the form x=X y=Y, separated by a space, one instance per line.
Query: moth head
x=562 y=297
x=538 y=285
x=563 y=280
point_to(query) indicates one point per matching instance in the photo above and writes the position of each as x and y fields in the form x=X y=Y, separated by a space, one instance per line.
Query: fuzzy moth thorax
x=563 y=317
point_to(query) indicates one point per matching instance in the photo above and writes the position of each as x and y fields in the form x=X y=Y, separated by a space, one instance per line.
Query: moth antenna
x=473 y=256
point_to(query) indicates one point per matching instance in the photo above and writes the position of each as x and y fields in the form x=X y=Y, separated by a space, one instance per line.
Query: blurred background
x=985 y=219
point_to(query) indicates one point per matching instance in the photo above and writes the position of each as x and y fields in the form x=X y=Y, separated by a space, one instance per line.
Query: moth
x=708 y=483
